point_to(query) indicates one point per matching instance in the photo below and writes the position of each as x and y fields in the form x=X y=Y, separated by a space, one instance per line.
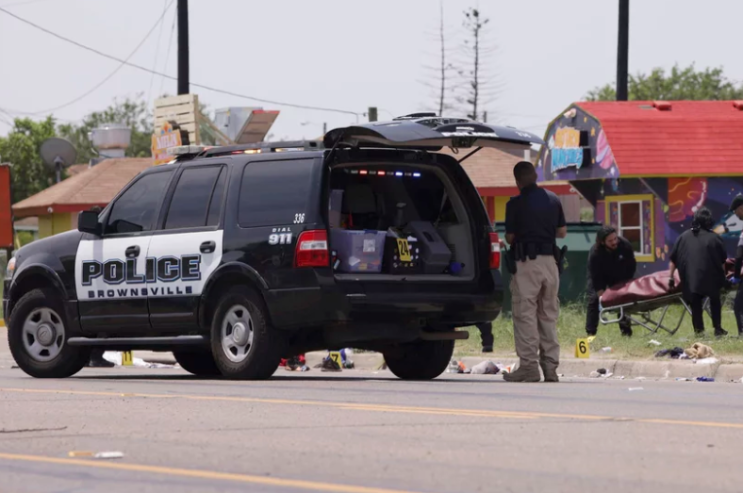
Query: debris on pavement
x=602 y=371
x=456 y=367
x=635 y=389
x=674 y=353
x=594 y=374
x=699 y=351
x=681 y=379
x=115 y=357
x=606 y=349
x=705 y=379
x=96 y=455
x=485 y=368
x=706 y=361
x=328 y=364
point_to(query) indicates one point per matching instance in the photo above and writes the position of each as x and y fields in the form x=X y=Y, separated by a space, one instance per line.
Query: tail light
x=312 y=249
x=494 y=251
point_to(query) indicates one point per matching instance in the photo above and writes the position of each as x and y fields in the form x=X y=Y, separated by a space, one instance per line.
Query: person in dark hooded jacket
x=611 y=261
x=699 y=255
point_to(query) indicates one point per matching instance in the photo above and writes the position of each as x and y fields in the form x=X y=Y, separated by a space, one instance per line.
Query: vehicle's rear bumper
x=319 y=306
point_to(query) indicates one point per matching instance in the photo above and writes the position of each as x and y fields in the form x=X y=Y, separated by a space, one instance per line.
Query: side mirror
x=87 y=222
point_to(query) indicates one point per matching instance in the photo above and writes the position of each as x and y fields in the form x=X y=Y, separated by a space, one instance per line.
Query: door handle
x=208 y=247
x=132 y=252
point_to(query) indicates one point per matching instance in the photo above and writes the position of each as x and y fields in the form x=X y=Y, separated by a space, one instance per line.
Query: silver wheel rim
x=237 y=333
x=43 y=334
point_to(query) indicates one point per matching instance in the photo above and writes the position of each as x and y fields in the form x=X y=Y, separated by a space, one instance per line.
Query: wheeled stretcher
x=645 y=301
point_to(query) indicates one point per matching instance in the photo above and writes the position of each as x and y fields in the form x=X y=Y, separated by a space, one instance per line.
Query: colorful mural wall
x=667 y=206
x=577 y=149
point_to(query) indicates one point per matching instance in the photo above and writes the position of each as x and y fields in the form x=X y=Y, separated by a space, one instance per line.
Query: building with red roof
x=491 y=171
x=647 y=166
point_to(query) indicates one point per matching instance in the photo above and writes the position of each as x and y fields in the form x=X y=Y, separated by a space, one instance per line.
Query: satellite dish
x=58 y=153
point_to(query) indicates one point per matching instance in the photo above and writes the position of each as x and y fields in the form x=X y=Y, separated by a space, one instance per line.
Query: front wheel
x=419 y=360
x=244 y=345
x=37 y=336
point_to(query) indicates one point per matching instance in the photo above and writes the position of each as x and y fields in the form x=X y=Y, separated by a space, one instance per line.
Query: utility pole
x=623 y=51
x=183 y=69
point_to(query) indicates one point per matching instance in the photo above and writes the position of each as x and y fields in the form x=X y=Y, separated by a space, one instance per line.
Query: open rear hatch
x=427 y=131
x=415 y=220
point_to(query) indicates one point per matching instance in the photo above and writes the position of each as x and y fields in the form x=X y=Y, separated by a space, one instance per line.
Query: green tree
x=680 y=84
x=21 y=148
x=130 y=112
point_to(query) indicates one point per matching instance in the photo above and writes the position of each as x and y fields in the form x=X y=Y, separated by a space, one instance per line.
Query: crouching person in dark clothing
x=699 y=255
x=611 y=261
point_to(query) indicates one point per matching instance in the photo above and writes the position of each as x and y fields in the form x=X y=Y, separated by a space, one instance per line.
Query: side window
x=135 y=209
x=215 y=207
x=190 y=202
x=275 y=192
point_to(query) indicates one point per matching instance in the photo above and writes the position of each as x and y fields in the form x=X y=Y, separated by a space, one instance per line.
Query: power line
x=108 y=77
x=157 y=51
x=167 y=53
x=202 y=86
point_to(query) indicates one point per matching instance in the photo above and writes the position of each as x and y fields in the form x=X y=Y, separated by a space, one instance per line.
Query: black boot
x=720 y=332
x=97 y=360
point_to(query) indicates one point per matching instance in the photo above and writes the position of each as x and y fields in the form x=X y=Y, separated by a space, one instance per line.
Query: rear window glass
x=274 y=193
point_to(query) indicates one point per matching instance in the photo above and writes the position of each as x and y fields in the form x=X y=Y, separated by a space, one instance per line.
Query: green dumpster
x=573 y=279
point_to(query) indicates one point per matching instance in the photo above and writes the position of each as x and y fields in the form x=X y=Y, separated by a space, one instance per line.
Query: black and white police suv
x=234 y=257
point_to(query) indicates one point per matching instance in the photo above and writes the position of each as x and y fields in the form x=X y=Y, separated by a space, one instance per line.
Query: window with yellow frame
x=632 y=216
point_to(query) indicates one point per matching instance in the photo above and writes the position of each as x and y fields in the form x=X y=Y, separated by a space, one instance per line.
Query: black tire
x=199 y=362
x=69 y=359
x=420 y=360
x=262 y=358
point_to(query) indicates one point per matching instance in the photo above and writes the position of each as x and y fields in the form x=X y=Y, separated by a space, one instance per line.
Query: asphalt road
x=363 y=432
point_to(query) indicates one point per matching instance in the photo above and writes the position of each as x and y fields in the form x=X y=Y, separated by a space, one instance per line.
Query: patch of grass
x=571 y=326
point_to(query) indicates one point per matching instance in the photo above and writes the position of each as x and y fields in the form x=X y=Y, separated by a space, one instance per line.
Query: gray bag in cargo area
x=435 y=254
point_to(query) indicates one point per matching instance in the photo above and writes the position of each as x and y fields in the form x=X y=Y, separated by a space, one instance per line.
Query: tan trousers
x=534 y=290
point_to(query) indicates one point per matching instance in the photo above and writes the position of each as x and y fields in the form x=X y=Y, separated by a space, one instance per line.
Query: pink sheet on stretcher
x=648 y=288
x=645 y=288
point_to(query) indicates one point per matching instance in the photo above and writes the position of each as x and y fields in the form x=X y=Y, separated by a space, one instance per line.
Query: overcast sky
x=349 y=54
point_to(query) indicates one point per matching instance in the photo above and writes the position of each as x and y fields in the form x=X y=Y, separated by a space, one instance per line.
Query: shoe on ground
x=721 y=332
x=550 y=375
x=523 y=374
x=329 y=365
x=487 y=349
x=100 y=363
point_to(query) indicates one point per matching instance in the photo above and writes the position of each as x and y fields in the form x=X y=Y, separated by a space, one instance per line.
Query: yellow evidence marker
x=582 y=348
x=336 y=356
x=127 y=359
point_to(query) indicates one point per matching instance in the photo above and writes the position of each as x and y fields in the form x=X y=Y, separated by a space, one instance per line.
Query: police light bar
x=183 y=150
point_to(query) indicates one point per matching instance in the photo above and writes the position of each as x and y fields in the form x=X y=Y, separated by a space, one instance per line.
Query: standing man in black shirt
x=699 y=255
x=534 y=219
x=611 y=261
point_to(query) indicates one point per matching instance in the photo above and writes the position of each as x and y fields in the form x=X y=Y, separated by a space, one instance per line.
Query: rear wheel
x=199 y=362
x=420 y=360
x=244 y=345
x=37 y=336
